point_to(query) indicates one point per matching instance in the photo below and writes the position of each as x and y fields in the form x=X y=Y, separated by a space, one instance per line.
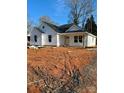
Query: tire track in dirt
x=57 y=61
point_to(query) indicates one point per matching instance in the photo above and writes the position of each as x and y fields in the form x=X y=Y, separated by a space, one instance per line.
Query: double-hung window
x=35 y=38
x=80 y=39
x=75 y=39
x=28 y=38
x=50 y=38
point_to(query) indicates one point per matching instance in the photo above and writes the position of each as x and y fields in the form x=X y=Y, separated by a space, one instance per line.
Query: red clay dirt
x=54 y=60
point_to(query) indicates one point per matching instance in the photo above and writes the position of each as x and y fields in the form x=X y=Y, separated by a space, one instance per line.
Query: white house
x=65 y=35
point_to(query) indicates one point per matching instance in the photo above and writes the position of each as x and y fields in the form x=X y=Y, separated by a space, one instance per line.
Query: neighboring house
x=64 y=35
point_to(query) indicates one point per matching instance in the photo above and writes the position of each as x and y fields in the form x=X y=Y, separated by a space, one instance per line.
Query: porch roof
x=72 y=32
x=77 y=32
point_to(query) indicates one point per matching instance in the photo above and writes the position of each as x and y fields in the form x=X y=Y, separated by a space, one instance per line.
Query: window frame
x=29 y=38
x=35 y=38
x=75 y=39
x=43 y=27
x=49 y=38
x=80 y=39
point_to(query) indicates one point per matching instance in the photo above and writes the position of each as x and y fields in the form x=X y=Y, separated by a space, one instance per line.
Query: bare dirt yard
x=61 y=70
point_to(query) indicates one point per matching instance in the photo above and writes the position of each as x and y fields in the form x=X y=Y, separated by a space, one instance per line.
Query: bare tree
x=30 y=23
x=46 y=19
x=29 y=26
x=79 y=10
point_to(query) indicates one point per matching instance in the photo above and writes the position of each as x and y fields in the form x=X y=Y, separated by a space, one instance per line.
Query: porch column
x=58 y=40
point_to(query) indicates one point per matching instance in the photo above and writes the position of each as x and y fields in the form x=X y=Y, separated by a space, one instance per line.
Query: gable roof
x=66 y=28
x=59 y=29
x=38 y=29
x=74 y=28
x=63 y=28
x=52 y=25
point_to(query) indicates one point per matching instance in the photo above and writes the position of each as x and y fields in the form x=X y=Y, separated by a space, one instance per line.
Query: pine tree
x=91 y=26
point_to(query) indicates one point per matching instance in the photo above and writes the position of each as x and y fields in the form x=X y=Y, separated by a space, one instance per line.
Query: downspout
x=83 y=40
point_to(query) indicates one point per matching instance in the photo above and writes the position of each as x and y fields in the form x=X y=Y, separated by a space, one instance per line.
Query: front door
x=66 y=40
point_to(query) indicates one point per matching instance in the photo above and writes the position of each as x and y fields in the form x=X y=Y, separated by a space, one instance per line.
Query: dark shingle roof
x=64 y=27
x=59 y=29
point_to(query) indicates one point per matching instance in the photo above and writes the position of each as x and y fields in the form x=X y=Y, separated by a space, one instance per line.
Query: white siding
x=88 y=40
x=48 y=31
x=71 y=40
x=46 y=42
x=39 y=39
x=62 y=40
x=91 y=41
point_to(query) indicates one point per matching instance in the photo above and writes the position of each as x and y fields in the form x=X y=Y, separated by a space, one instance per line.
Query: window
x=75 y=39
x=28 y=38
x=35 y=38
x=43 y=27
x=50 y=38
x=80 y=39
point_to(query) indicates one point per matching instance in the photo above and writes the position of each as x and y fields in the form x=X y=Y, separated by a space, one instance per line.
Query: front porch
x=77 y=39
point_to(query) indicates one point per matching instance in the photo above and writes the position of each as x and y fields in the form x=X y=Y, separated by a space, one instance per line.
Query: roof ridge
x=50 y=23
